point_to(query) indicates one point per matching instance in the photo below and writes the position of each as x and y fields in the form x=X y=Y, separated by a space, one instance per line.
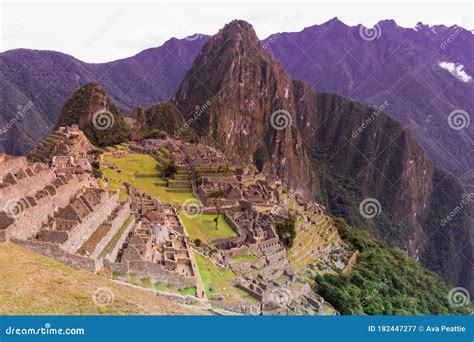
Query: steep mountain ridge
x=315 y=149
x=96 y=114
x=48 y=78
x=394 y=64
x=244 y=91
x=397 y=65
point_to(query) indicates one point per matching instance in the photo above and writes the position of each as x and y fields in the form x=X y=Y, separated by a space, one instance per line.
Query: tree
x=216 y=197
x=286 y=230
x=169 y=170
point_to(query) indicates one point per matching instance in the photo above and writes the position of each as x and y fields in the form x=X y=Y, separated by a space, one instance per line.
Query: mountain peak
x=237 y=30
x=388 y=23
x=239 y=26
x=91 y=108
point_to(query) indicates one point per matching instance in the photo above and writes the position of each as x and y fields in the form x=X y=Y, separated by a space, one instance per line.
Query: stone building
x=29 y=194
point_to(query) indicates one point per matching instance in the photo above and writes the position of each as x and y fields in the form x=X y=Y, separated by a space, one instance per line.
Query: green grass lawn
x=244 y=258
x=216 y=281
x=188 y=291
x=161 y=287
x=203 y=227
x=135 y=163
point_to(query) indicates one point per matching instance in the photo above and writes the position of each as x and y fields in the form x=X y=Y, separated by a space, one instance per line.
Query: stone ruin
x=57 y=213
x=157 y=247
x=66 y=141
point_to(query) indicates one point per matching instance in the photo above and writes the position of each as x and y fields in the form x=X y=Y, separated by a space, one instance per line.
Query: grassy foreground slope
x=36 y=285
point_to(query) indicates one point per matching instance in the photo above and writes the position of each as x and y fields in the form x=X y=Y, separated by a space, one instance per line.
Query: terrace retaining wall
x=117 y=222
x=152 y=270
x=54 y=251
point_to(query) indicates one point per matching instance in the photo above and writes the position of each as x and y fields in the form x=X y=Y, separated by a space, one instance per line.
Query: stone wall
x=11 y=164
x=154 y=271
x=241 y=235
x=276 y=256
x=112 y=255
x=116 y=223
x=242 y=250
x=54 y=251
x=178 y=190
x=84 y=230
x=185 y=184
x=53 y=236
x=32 y=218
x=247 y=309
x=28 y=185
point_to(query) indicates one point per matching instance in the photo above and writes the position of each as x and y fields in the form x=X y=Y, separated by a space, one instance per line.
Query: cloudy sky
x=107 y=30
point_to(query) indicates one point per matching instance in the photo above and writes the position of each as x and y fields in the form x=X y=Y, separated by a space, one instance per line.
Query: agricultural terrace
x=203 y=227
x=131 y=167
x=217 y=280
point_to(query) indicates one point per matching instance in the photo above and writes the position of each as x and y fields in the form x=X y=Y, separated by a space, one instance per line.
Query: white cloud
x=457 y=70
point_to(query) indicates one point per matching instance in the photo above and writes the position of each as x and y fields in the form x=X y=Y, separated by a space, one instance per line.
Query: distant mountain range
x=48 y=78
x=400 y=67
x=387 y=64
x=257 y=112
x=237 y=97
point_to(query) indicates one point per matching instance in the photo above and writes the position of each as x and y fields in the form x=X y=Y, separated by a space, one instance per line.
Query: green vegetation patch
x=89 y=246
x=384 y=281
x=244 y=258
x=188 y=291
x=203 y=227
x=141 y=164
x=216 y=281
x=286 y=231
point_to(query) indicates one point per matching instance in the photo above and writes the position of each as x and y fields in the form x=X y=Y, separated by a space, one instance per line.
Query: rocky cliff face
x=245 y=86
x=323 y=145
x=398 y=65
x=96 y=114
